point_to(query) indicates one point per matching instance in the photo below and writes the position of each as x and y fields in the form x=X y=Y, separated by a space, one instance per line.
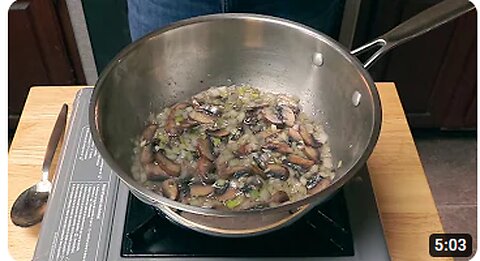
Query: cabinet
x=41 y=51
x=435 y=73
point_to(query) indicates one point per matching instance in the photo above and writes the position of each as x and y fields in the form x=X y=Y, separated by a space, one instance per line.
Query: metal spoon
x=29 y=207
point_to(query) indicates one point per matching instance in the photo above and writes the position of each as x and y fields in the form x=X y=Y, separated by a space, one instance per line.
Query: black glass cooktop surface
x=322 y=232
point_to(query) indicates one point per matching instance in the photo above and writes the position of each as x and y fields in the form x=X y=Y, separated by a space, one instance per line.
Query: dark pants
x=146 y=16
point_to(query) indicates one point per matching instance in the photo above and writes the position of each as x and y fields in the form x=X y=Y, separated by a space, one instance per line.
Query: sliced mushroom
x=243 y=150
x=277 y=171
x=203 y=167
x=170 y=189
x=230 y=193
x=146 y=156
x=255 y=169
x=319 y=186
x=149 y=132
x=286 y=100
x=261 y=160
x=312 y=153
x=212 y=109
x=279 y=197
x=230 y=171
x=268 y=133
x=294 y=135
x=200 y=190
x=188 y=123
x=220 y=165
x=251 y=117
x=208 y=108
x=195 y=103
x=180 y=106
x=220 y=133
x=271 y=116
x=246 y=149
x=201 y=117
x=204 y=148
x=313 y=181
x=170 y=126
x=237 y=133
x=302 y=162
x=154 y=172
x=169 y=166
x=288 y=117
x=220 y=186
x=307 y=137
x=278 y=146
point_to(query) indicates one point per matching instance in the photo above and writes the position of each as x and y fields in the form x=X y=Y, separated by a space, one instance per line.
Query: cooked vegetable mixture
x=234 y=148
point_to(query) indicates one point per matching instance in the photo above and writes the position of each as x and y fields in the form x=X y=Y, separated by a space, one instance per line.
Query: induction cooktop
x=91 y=215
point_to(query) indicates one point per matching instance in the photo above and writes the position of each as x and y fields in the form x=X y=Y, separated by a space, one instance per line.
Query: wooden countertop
x=404 y=198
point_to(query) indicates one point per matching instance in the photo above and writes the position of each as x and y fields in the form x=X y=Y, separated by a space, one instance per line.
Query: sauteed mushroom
x=220 y=133
x=317 y=184
x=149 y=132
x=154 y=172
x=271 y=116
x=302 y=162
x=229 y=194
x=278 y=146
x=294 y=135
x=277 y=171
x=204 y=148
x=288 y=117
x=203 y=167
x=200 y=190
x=169 y=189
x=201 y=117
x=146 y=155
x=312 y=153
x=170 y=126
x=235 y=148
x=169 y=166
x=279 y=197
x=230 y=171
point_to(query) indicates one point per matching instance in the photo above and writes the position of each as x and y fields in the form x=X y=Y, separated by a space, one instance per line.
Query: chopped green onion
x=242 y=90
x=232 y=203
x=163 y=138
x=216 y=141
x=179 y=118
x=254 y=193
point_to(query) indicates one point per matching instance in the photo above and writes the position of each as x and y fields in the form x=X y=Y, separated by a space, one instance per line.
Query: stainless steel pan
x=273 y=54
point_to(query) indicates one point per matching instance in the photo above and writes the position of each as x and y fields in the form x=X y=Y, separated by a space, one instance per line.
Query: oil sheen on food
x=233 y=148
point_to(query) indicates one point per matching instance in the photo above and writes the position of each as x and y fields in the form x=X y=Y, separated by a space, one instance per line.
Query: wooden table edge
x=33 y=92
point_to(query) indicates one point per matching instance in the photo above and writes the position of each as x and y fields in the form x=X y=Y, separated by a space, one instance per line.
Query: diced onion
x=228 y=107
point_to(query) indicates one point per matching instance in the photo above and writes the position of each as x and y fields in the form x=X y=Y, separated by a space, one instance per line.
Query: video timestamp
x=450 y=245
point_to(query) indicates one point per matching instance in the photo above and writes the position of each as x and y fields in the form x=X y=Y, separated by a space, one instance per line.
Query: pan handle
x=415 y=26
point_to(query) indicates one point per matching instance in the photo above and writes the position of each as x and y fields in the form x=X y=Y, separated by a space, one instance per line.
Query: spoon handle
x=57 y=132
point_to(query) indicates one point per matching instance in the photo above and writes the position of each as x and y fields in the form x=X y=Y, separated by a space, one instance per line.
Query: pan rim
x=154 y=199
